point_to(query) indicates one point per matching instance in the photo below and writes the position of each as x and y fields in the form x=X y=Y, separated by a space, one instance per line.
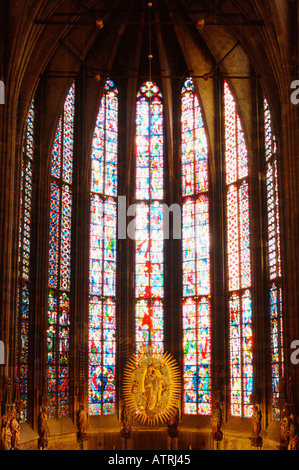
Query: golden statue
x=151 y=386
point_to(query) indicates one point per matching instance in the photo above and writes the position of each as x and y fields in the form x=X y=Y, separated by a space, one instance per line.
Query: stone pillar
x=9 y=204
x=289 y=188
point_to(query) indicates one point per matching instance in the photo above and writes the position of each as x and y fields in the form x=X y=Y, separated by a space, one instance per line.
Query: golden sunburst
x=152 y=386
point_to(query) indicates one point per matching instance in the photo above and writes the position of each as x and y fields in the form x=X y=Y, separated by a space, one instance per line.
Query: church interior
x=149 y=207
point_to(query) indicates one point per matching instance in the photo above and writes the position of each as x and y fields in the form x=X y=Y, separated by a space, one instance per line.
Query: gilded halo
x=152 y=386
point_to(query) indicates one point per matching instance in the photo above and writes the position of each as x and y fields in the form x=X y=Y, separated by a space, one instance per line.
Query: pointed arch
x=196 y=256
x=149 y=245
x=102 y=257
x=59 y=270
x=24 y=275
x=274 y=260
x=238 y=248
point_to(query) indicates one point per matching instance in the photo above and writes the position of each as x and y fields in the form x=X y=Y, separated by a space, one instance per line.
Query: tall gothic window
x=102 y=258
x=149 y=252
x=24 y=259
x=149 y=245
x=274 y=260
x=238 y=260
x=59 y=271
x=196 y=256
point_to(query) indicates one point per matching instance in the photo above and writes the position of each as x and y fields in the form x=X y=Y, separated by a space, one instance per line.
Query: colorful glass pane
x=189 y=250
x=65 y=242
x=52 y=351
x=149 y=243
x=202 y=245
x=58 y=353
x=56 y=152
x=238 y=260
x=149 y=143
x=230 y=136
x=245 y=235
x=241 y=360
x=23 y=346
x=247 y=350
x=276 y=346
x=102 y=257
x=30 y=132
x=270 y=140
x=196 y=256
x=68 y=136
x=102 y=356
x=197 y=356
x=274 y=250
x=233 y=251
x=149 y=324
x=190 y=357
x=63 y=360
x=26 y=196
x=103 y=246
x=194 y=144
x=54 y=234
x=274 y=261
x=26 y=229
x=204 y=356
x=59 y=272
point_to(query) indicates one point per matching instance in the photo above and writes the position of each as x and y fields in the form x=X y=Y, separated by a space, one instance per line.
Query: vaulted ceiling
x=58 y=38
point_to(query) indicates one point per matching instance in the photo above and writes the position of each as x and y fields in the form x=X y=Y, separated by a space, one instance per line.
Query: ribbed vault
x=55 y=39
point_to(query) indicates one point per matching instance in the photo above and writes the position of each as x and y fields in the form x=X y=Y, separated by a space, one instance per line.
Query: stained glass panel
x=241 y=358
x=235 y=355
x=149 y=243
x=26 y=196
x=274 y=261
x=59 y=271
x=149 y=324
x=68 y=136
x=54 y=234
x=58 y=353
x=276 y=348
x=24 y=254
x=245 y=235
x=196 y=256
x=274 y=251
x=238 y=260
x=56 y=152
x=270 y=139
x=65 y=242
x=27 y=220
x=102 y=257
x=247 y=345
x=194 y=144
x=63 y=360
x=23 y=351
x=52 y=351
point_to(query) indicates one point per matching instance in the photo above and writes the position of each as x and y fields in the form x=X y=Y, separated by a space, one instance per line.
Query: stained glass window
x=149 y=244
x=23 y=301
x=238 y=260
x=102 y=257
x=196 y=256
x=274 y=260
x=59 y=271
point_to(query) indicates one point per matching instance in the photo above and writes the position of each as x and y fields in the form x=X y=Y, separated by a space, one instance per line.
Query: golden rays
x=152 y=386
